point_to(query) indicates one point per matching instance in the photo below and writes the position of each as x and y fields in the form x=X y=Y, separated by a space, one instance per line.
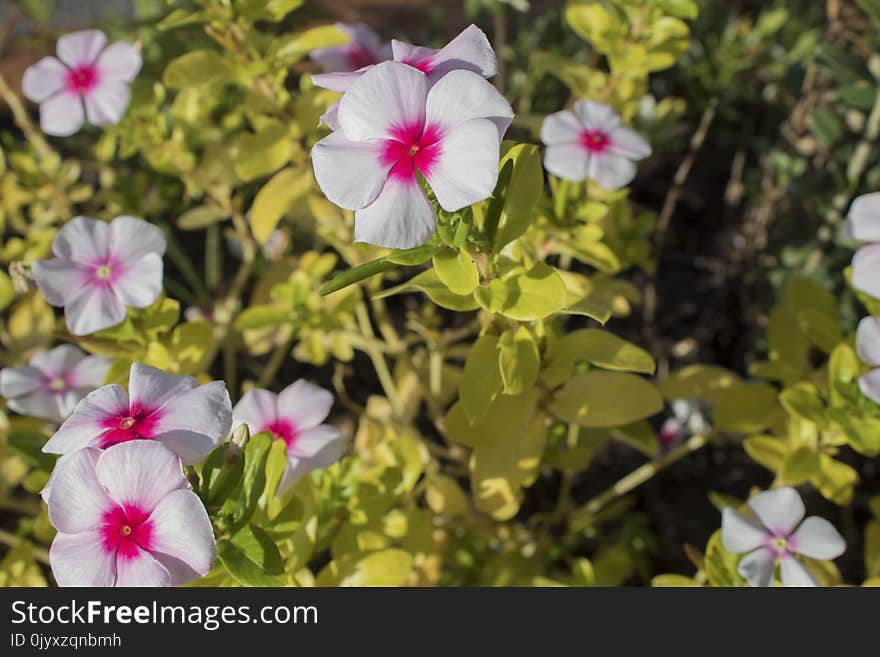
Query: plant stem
x=275 y=362
x=378 y=359
x=40 y=554
x=643 y=473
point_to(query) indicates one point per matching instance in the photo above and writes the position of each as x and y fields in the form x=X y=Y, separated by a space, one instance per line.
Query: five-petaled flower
x=294 y=415
x=188 y=418
x=365 y=48
x=779 y=537
x=863 y=225
x=126 y=517
x=394 y=126
x=86 y=81
x=590 y=142
x=469 y=51
x=101 y=268
x=868 y=348
x=53 y=382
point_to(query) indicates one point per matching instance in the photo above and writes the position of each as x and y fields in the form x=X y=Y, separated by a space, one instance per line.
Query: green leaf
x=29 y=446
x=430 y=284
x=672 y=580
x=259 y=547
x=262 y=153
x=524 y=296
x=415 y=256
x=518 y=360
x=768 y=451
x=276 y=198
x=481 y=379
x=456 y=270
x=521 y=194
x=295 y=47
x=746 y=408
x=701 y=381
x=196 y=68
x=220 y=475
x=201 y=217
x=444 y=495
x=606 y=399
x=243 y=569
x=599 y=348
x=803 y=400
x=826 y=126
x=835 y=480
x=259 y=317
x=389 y=567
x=800 y=465
x=254 y=479
x=721 y=564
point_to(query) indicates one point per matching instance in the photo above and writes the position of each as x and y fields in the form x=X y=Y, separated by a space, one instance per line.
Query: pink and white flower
x=188 y=418
x=100 y=269
x=88 y=80
x=868 y=349
x=53 y=382
x=590 y=142
x=364 y=49
x=394 y=126
x=126 y=517
x=778 y=537
x=863 y=225
x=294 y=415
x=688 y=419
x=469 y=51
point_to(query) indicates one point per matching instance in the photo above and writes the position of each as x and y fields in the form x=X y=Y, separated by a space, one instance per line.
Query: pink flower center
x=358 y=57
x=124 y=529
x=103 y=273
x=595 y=141
x=780 y=544
x=282 y=429
x=424 y=65
x=139 y=424
x=412 y=148
x=81 y=79
x=56 y=383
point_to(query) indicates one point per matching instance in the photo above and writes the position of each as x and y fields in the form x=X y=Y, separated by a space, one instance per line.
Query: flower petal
x=869 y=384
x=42 y=404
x=863 y=219
x=758 y=567
x=740 y=534
x=120 y=61
x=60 y=280
x=304 y=404
x=470 y=51
x=467 y=169
x=152 y=388
x=131 y=238
x=388 y=96
x=80 y=48
x=322 y=445
x=83 y=240
x=87 y=423
x=107 y=102
x=351 y=174
x=793 y=573
x=181 y=529
x=330 y=118
x=561 y=128
x=567 y=161
x=256 y=408
x=60 y=360
x=81 y=560
x=462 y=96
x=868 y=341
x=79 y=501
x=596 y=116
x=141 y=570
x=140 y=283
x=45 y=78
x=139 y=472
x=90 y=373
x=18 y=381
x=339 y=82
x=400 y=218
x=62 y=114
x=866 y=270
x=817 y=538
x=610 y=170
x=780 y=509
x=93 y=309
x=629 y=143
x=194 y=422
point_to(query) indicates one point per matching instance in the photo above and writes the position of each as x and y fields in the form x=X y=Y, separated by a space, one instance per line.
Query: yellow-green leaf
x=518 y=360
x=456 y=270
x=606 y=399
x=277 y=197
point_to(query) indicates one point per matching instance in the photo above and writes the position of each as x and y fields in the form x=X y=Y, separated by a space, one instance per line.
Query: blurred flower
x=780 y=536
x=188 y=418
x=688 y=419
x=863 y=225
x=365 y=49
x=868 y=348
x=394 y=126
x=126 y=517
x=590 y=142
x=469 y=51
x=86 y=81
x=53 y=382
x=294 y=415
x=100 y=269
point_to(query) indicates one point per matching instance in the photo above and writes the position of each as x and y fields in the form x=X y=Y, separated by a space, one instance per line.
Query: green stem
x=378 y=359
x=12 y=540
x=275 y=362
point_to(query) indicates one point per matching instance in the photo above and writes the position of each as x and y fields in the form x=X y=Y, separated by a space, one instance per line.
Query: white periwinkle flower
x=863 y=225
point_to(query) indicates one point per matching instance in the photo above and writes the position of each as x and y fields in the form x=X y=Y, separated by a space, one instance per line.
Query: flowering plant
x=293 y=301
